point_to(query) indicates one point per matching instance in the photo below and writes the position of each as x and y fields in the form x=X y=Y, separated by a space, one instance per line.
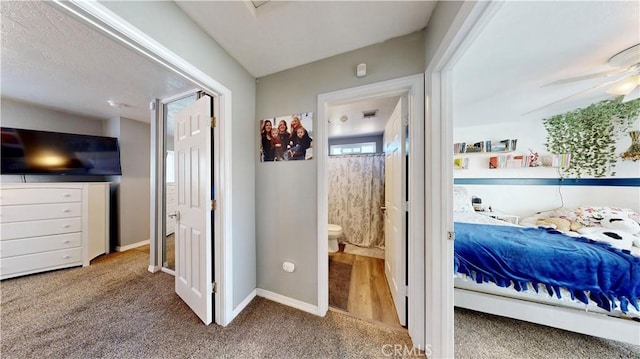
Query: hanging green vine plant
x=590 y=134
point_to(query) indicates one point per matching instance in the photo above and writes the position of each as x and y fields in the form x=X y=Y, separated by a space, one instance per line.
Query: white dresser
x=46 y=226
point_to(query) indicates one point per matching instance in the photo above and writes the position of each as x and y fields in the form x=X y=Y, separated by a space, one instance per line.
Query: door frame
x=100 y=18
x=438 y=273
x=413 y=86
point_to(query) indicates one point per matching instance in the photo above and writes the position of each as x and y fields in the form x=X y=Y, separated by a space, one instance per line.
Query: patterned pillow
x=590 y=216
x=461 y=200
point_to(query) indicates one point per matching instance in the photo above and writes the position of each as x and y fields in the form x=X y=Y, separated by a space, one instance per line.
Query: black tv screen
x=55 y=153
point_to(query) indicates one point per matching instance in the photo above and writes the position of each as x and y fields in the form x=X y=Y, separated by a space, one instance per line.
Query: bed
x=544 y=276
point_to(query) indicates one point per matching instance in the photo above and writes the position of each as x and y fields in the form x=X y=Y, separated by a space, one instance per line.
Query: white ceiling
x=527 y=45
x=280 y=35
x=356 y=124
x=52 y=60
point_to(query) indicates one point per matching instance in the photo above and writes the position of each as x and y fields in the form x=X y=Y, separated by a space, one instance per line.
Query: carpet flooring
x=479 y=335
x=115 y=308
x=339 y=283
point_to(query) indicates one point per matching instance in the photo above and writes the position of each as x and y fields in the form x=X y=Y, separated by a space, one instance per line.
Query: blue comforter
x=516 y=256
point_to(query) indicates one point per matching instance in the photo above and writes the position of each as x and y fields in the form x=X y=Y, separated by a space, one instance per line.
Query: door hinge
x=451 y=236
x=214 y=205
x=213 y=122
x=405 y=120
x=214 y=287
x=405 y=206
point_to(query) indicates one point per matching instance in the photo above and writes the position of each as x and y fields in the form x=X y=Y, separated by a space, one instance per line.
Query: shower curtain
x=356 y=195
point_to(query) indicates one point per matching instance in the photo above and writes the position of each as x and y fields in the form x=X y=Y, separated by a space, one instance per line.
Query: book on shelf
x=485 y=146
x=560 y=160
x=508 y=161
x=460 y=147
x=504 y=145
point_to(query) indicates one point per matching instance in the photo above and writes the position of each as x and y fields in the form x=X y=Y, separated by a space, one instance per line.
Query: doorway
x=413 y=256
x=362 y=266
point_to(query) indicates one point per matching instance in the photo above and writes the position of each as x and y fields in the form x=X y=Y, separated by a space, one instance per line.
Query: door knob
x=383 y=208
x=175 y=215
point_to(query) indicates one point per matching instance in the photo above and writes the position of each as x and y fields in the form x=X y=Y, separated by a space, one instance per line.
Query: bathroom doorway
x=412 y=258
x=361 y=272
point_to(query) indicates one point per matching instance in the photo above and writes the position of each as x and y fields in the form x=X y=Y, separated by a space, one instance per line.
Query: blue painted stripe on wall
x=622 y=182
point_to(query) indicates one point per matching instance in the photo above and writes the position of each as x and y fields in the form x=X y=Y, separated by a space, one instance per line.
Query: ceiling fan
x=626 y=75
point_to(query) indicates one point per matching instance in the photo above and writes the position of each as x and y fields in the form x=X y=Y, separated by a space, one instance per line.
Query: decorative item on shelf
x=460 y=163
x=477 y=203
x=533 y=160
x=633 y=152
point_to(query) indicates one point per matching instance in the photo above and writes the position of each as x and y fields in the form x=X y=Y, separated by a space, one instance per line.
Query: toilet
x=335 y=232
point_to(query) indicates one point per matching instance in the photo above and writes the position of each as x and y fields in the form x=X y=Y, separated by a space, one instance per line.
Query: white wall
x=286 y=192
x=526 y=200
x=166 y=23
x=18 y=114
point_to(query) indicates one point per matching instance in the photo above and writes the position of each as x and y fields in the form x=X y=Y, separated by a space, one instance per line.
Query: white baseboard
x=154 y=269
x=132 y=246
x=244 y=303
x=294 y=303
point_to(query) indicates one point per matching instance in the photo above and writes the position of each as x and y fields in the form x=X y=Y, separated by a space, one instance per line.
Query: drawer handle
x=67 y=211
x=66 y=257
x=65 y=226
x=67 y=195
x=67 y=241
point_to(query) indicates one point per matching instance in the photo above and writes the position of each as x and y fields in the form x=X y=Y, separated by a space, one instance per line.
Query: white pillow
x=461 y=200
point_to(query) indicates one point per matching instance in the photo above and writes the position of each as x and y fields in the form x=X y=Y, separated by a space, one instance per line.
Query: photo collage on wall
x=286 y=138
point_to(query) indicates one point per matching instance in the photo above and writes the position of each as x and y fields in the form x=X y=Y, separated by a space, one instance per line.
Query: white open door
x=394 y=222
x=193 y=235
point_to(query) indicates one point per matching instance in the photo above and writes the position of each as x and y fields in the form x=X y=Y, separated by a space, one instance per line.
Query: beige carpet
x=115 y=308
x=479 y=335
x=363 y=251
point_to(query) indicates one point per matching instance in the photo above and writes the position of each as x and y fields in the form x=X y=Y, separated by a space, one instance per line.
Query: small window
x=353 y=149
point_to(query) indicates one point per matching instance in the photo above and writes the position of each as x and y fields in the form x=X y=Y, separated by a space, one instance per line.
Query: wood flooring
x=369 y=295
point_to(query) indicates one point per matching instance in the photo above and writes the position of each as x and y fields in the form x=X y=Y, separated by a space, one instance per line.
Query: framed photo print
x=286 y=138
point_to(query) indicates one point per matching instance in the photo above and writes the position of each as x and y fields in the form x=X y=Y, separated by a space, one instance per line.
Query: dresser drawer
x=17 y=230
x=19 y=247
x=13 y=196
x=14 y=266
x=36 y=212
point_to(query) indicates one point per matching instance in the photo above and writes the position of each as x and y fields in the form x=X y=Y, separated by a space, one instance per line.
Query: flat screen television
x=55 y=153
